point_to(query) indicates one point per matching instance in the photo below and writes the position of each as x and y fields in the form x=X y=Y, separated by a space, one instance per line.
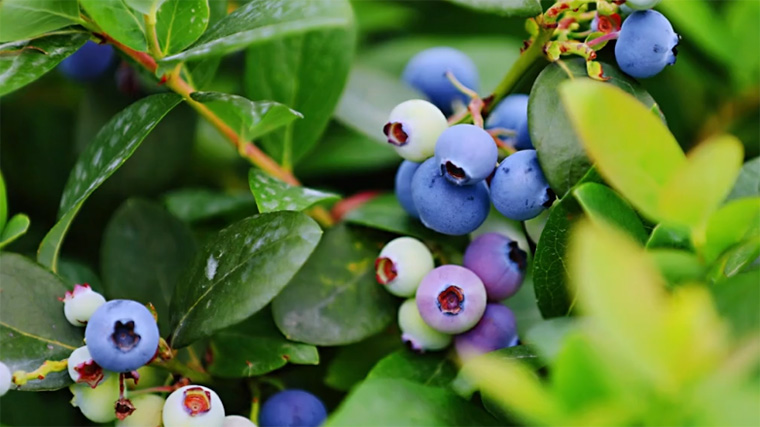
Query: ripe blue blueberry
x=445 y=207
x=97 y=404
x=122 y=335
x=512 y=114
x=466 y=154
x=82 y=369
x=193 y=406
x=402 y=264
x=80 y=304
x=519 y=189
x=403 y=186
x=497 y=329
x=6 y=378
x=641 y=4
x=427 y=70
x=292 y=408
x=87 y=63
x=499 y=262
x=417 y=333
x=413 y=128
x=148 y=411
x=451 y=299
x=646 y=44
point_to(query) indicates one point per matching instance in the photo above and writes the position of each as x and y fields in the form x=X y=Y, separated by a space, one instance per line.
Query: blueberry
x=80 y=304
x=292 y=408
x=512 y=113
x=497 y=329
x=122 y=335
x=88 y=63
x=466 y=154
x=499 y=262
x=417 y=333
x=445 y=207
x=193 y=406
x=82 y=369
x=97 y=404
x=519 y=189
x=6 y=378
x=402 y=264
x=148 y=411
x=641 y=4
x=413 y=128
x=237 y=421
x=403 y=186
x=426 y=72
x=646 y=44
x=451 y=299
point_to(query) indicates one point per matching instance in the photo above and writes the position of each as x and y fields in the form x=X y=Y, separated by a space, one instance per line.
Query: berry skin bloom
x=416 y=333
x=646 y=44
x=519 y=189
x=497 y=329
x=499 y=263
x=403 y=187
x=80 y=304
x=402 y=264
x=512 y=114
x=291 y=408
x=466 y=154
x=413 y=128
x=451 y=299
x=193 y=406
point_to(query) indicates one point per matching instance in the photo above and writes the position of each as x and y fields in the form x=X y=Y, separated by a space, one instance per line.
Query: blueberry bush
x=355 y=212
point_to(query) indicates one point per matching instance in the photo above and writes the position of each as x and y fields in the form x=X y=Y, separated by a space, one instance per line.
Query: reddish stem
x=605 y=38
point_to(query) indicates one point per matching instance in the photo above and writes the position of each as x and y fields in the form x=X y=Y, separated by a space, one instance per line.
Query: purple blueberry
x=403 y=186
x=466 y=154
x=499 y=263
x=512 y=114
x=87 y=63
x=292 y=408
x=451 y=299
x=646 y=44
x=445 y=207
x=519 y=189
x=497 y=329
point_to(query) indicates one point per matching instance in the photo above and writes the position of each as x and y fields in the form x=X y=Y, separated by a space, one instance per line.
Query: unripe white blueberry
x=237 y=421
x=82 y=369
x=401 y=265
x=148 y=409
x=97 y=404
x=79 y=304
x=413 y=129
x=416 y=332
x=6 y=378
x=641 y=4
x=193 y=406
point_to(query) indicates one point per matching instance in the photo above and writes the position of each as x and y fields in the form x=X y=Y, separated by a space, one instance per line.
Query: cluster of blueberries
x=451 y=302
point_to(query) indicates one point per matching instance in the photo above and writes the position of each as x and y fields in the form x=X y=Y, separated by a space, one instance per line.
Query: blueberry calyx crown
x=453 y=171
x=385 y=270
x=395 y=133
x=123 y=408
x=197 y=401
x=124 y=336
x=517 y=255
x=451 y=300
x=90 y=373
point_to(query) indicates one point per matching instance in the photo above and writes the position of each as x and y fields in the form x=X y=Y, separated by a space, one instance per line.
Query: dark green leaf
x=119 y=21
x=748 y=182
x=562 y=157
x=601 y=203
x=75 y=272
x=334 y=299
x=33 y=327
x=274 y=195
x=352 y=363
x=180 y=23
x=22 y=19
x=736 y=300
x=398 y=402
x=113 y=145
x=427 y=369
x=144 y=252
x=197 y=204
x=3 y=204
x=28 y=64
x=670 y=236
x=15 y=228
x=512 y=8
x=239 y=271
x=255 y=347
x=678 y=266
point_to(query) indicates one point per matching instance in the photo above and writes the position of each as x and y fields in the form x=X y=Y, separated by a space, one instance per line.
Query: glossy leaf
x=33 y=326
x=112 y=146
x=601 y=203
x=736 y=300
x=560 y=152
x=23 y=19
x=144 y=252
x=642 y=157
x=748 y=182
x=197 y=204
x=14 y=228
x=670 y=236
x=179 y=23
x=730 y=224
x=239 y=271
x=512 y=8
x=119 y=21
x=353 y=362
x=29 y=63
x=432 y=369
x=144 y=6
x=678 y=266
x=274 y=195
x=736 y=260
x=385 y=213
x=334 y=299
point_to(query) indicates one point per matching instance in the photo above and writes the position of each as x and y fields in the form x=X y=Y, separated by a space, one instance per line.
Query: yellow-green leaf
x=730 y=224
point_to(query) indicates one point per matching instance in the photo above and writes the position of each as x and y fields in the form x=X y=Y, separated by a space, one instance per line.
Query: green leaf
x=736 y=300
x=641 y=157
x=369 y=97
x=427 y=369
x=511 y=8
x=700 y=185
x=28 y=63
x=601 y=203
x=334 y=299
x=119 y=21
x=75 y=272
x=406 y=403
x=670 y=236
x=144 y=252
x=576 y=377
x=33 y=326
x=546 y=338
x=23 y=19
x=353 y=362
x=730 y=224
x=239 y=271
x=678 y=266
x=143 y=6
x=249 y=119
x=255 y=347
x=180 y=23
x=3 y=204
x=295 y=70
x=274 y=195
x=112 y=146
x=560 y=152
x=739 y=258
x=748 y=182
x=198 y=204
x=523 y=305
x=15 y=228
x=691 y=21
